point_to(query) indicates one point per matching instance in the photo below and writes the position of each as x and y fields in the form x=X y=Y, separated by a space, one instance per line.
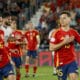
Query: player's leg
x=8 y=72
x=35 y=66
x=73 y=76
x=54 y=68
x=27 y=63
x=18 y=74
x=1 y=77
x=62 y=72
x=17 y=65
x=11 y=77
x=73 y=71
x=35 y=60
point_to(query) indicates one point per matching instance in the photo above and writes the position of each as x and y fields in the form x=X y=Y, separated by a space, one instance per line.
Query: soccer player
x=15 y=49
x=62 y=43
x=33 y=40
x=6 y=69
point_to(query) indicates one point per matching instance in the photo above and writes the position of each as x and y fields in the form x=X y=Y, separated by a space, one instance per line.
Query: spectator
x=14 y=8
x=1 y=20
x=22 y=19
x=73 y=16
x=1 y=6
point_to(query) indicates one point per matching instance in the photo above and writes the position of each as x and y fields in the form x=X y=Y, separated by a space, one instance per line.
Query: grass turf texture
x=43 y=73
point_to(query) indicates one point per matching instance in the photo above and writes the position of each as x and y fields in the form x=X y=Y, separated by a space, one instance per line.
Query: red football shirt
x=2 y=34
x=4 y=60
x=13 y=46
x=65 y=54
x=17 y=34
x=31 y=39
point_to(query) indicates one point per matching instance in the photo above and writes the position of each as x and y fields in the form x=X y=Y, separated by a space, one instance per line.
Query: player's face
x=65 y=20
x=30 y=25
x=18 y=36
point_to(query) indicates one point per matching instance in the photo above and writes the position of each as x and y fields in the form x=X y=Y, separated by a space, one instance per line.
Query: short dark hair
x=65 y=12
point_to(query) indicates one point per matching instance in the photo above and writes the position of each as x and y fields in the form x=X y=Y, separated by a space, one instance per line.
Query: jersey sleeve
x=53 y=38
x=77 y=36
x=50 y=34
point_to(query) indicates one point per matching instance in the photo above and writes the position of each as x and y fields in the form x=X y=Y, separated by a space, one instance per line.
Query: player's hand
x=71 y=39
x=68 y=39
x=17 y=43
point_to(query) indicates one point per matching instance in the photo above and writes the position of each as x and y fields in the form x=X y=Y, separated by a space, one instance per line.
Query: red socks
x=18 y=76
x=27 y=68
x=34 y=69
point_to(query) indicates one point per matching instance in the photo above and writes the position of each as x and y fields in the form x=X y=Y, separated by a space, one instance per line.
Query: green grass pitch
x=43 y=73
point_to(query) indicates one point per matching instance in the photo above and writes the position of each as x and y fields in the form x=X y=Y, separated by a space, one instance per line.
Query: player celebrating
x=15 y=49
x=6 y=69
x=62 y=42
x=33 y=41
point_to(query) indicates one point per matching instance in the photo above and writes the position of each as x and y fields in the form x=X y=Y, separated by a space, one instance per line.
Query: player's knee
x=11 y=77
x=73 y=76
x=27 y=59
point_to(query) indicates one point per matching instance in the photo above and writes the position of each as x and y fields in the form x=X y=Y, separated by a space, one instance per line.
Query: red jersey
x=16 y=48
x=31 y=39
x=17 y=34
x=66 y=53
x=2 y=34
x=4 y=60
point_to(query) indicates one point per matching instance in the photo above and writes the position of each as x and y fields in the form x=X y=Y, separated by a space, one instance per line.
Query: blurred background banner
x=46 y=58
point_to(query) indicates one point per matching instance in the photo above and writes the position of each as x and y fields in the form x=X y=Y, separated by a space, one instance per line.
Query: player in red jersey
x=6 y=69
x=62 y=42
x=33 y=41
x=15 y=49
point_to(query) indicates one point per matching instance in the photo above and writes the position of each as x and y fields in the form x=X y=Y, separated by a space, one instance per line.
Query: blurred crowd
x=16 y=13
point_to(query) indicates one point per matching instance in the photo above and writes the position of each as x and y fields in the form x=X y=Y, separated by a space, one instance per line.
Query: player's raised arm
x=54 y=47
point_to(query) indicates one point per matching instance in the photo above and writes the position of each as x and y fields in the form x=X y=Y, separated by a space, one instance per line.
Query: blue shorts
x=32 y=54
x=6 y=71
x=17 y=61
x=65 y=70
